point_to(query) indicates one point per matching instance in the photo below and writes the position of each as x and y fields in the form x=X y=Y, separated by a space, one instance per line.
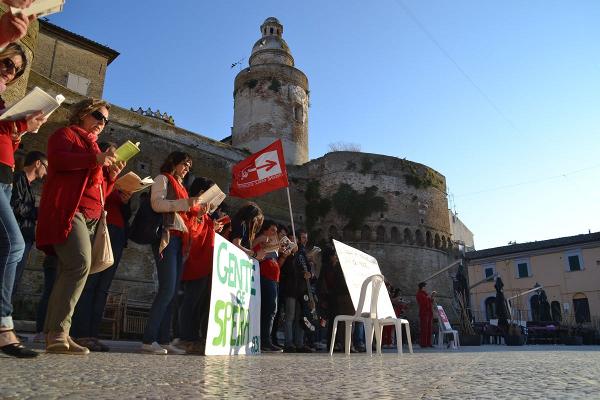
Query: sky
x=501 y=97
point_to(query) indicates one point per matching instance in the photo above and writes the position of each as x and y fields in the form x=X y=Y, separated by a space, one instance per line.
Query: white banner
x=234 y=318
x=358 y=266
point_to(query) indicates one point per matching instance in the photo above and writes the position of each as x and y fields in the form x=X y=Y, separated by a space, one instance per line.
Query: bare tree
x=343 y=146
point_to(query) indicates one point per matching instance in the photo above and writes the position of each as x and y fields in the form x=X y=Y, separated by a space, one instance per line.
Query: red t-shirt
x=269 y=268
x=113 y=205
x=200 y=260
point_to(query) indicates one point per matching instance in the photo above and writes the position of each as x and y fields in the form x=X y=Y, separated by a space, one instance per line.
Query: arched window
x=581 y=308
x=365 y=233
x=490 y=308
x=556 y=311
x=408 y=237
x=380 y=234
x=419 y=238
x=444 y=243
x=348 y=233
x=395 y=235
x=437 y=242
x=333 y=232
x=298 y=114
x=428 y=239
x=271 y=30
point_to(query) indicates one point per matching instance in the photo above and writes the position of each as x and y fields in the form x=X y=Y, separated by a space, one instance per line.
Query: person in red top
x=425 y=315
x=87 y=317
x=197 y=275
x=12 y=64
x=79 y=176
x=268 y=241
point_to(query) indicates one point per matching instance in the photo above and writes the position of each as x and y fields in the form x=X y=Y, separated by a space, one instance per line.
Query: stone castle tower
x=271 y=98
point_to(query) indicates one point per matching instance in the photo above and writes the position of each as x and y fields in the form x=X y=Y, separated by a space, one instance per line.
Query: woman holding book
x=169 y=198
x=197 y=274
x=80 y=176
x=12 y=64
x=90 y=307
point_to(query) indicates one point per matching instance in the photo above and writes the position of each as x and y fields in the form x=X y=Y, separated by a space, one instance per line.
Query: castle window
x=444 y=243
x=408 y=237
x=78 y=83
x=365 y=233
x=419 y=238
x=271 y=31
x=437 y=241
x=523 y=269
x=298 y=114
x=395 y=235
x=428 y=239
x=380 y=234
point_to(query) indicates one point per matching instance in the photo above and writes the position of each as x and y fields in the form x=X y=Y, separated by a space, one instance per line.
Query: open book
x=130 y=182
x=213 y=196
x=40 y=8
x=127 y=150
x=36 y=100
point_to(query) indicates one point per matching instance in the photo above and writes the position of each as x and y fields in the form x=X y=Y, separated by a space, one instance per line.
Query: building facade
x=568 y=268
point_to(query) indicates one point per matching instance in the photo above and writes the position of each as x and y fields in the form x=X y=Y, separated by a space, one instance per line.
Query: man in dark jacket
x=23 y=203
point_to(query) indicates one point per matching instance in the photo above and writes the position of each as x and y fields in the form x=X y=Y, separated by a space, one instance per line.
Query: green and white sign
x=234 y=318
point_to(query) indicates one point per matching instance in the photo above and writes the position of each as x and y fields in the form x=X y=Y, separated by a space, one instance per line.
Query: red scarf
x=96 y=177
x=181 y=193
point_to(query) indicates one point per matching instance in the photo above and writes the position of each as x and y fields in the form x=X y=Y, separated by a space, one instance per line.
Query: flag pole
x=287 y=189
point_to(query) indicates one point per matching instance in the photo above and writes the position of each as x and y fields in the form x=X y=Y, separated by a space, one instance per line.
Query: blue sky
x=502 y=98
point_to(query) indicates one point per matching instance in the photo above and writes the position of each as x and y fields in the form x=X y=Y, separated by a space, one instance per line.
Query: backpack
x=146 y=227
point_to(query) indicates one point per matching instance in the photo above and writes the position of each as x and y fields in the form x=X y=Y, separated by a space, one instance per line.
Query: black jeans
x=193 y=314
x=268 y=308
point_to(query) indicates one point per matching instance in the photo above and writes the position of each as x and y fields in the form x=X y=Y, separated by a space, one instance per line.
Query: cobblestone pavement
x=486 y=372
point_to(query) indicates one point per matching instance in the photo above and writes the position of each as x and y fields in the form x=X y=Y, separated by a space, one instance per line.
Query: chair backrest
x=375 y=281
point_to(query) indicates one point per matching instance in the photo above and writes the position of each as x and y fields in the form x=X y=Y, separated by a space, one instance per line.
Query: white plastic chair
x=367 y=318
x=397 y=322
x=443 y=330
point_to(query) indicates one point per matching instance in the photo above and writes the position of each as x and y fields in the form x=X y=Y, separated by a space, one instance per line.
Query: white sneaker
x=170 y=349
x=153 y=348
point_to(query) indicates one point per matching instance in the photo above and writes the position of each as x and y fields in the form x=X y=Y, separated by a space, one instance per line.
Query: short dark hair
x=34 y=156
x=176 y=157
x=266 y=225
x=422 y=285
x=200 y=185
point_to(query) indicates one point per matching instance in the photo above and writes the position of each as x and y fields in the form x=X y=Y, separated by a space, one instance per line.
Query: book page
x=36 y=100
x=40 y=8
x=130 y=182
x=213 y=196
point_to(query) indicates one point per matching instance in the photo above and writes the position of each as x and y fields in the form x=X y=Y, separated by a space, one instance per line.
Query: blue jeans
x=169 y=269
x=12 y=246
x=21 y=266
x=90 y=307
x=50 y=265
x=268 y=308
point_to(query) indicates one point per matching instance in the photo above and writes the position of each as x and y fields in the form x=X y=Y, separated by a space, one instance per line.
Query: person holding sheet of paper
x=425 y=302
x=14 y=27
x=80 y=177
x=12 y=64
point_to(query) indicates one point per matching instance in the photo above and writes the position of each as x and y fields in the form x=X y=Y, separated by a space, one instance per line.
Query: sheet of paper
x=40 y=8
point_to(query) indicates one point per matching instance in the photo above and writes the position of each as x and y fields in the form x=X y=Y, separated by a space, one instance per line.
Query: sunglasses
x=10 y=66
x=99 y=116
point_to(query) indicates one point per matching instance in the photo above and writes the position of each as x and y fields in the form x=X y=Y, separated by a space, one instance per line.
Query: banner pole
x=287 y=189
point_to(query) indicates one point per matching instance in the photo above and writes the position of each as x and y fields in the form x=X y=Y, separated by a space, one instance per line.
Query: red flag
x=260 y=173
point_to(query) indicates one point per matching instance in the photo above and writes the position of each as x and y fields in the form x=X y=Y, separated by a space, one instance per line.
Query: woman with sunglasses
x=12 y=245
x=79 y=177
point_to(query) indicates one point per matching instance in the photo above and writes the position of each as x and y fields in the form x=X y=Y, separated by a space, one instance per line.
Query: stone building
x=392 y=208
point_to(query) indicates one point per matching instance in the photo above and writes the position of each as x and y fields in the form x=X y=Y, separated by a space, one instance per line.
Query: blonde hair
x=85 y=107
x=14 y=49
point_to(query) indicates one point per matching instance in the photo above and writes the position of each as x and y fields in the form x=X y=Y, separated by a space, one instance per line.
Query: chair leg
x=398 y=325
x=440 y=339
x=348 y=338
x=379 y=336
x=333 y=333
x=408 y=338
x=369 y=337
